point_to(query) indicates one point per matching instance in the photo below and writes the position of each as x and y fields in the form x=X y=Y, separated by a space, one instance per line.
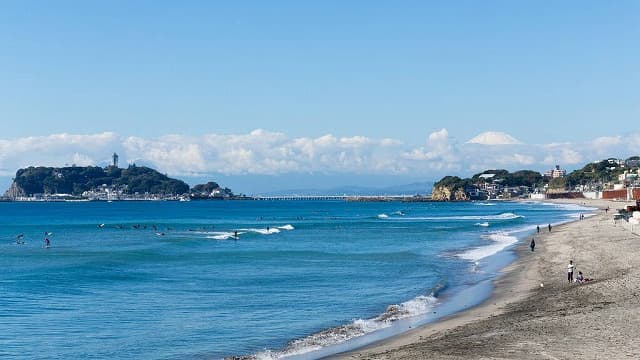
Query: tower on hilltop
x=115 y=160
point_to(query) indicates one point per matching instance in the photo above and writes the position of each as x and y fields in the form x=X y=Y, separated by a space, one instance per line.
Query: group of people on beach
x=532 y=244
x=538 y=228
x=580 y=279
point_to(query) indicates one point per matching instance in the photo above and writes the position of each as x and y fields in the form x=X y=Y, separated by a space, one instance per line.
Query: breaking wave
x=503 y=216
x=419 y=305
x=225 y=235
x=500 y=241
x=567 y=207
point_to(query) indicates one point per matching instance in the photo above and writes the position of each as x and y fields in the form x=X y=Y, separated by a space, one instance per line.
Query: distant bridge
x=339 y=197
x=303 y=197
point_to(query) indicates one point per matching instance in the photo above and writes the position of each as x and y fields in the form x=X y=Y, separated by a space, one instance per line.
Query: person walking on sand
x=570 y=268
x=549 y=227
x=538 y=228
x=532 y=245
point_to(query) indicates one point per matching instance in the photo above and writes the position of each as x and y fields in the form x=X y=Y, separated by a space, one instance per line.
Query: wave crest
x=417 y=306
x=500 y=241
x=503 y=216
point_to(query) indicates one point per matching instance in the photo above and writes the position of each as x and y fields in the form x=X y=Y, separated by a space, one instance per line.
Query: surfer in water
x=19 y=240
x=235 y=235
x=47 y=243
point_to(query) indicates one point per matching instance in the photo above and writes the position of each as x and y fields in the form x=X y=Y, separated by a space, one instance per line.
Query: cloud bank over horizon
x=263 y=152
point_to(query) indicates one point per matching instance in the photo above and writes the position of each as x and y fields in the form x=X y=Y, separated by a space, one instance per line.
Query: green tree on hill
x=519 y=178
x=76 y=180
x=602 y=171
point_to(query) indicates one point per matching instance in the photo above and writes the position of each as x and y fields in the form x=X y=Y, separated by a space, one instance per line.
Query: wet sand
x=522 y=320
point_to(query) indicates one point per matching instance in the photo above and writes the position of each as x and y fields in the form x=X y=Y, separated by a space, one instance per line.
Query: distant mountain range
x=421 y=188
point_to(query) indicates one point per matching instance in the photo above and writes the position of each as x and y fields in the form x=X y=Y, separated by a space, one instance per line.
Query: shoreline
x=517 y=293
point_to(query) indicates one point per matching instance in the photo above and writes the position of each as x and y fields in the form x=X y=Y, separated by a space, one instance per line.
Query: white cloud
x=56 y=150
x=494 y=138
x=438 y=151
x=264 y=152
x=565 y=156
x=606 y=141
x=604 y=145
x=517 y=159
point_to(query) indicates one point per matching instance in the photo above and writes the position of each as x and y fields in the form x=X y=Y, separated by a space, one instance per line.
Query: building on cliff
x=555 y=173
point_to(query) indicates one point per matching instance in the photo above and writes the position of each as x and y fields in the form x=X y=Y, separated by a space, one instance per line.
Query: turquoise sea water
x=166 y=280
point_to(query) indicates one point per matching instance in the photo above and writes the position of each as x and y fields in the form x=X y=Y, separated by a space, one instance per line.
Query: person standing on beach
x=532 y=245
x=538 y=228
x=549 y=227
x=570 y=268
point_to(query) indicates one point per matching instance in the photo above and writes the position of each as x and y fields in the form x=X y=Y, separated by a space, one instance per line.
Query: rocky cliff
x=450 y=188
x=14 y=191
x=447 y=193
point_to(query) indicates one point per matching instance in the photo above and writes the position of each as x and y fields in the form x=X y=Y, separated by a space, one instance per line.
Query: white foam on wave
x=417 y=306
x=485 y=204
x=569 y=207
x=222 y=235
x=266 y=231
x=483 y=224
x=383 y=216
x=503 y=216
x=499 y=241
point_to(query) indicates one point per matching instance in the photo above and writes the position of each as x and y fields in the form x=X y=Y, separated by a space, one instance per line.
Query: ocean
x=304 y=279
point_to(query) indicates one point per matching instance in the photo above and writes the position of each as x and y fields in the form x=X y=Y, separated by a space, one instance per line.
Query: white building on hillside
x=555 y=173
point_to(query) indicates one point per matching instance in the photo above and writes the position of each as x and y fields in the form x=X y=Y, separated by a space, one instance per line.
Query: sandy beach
x=524 y=320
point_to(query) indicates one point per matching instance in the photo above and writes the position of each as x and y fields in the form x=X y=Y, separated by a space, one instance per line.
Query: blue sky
x=161 y=82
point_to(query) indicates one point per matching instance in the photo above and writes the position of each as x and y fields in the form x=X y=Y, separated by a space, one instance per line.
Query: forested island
x=109 y=183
